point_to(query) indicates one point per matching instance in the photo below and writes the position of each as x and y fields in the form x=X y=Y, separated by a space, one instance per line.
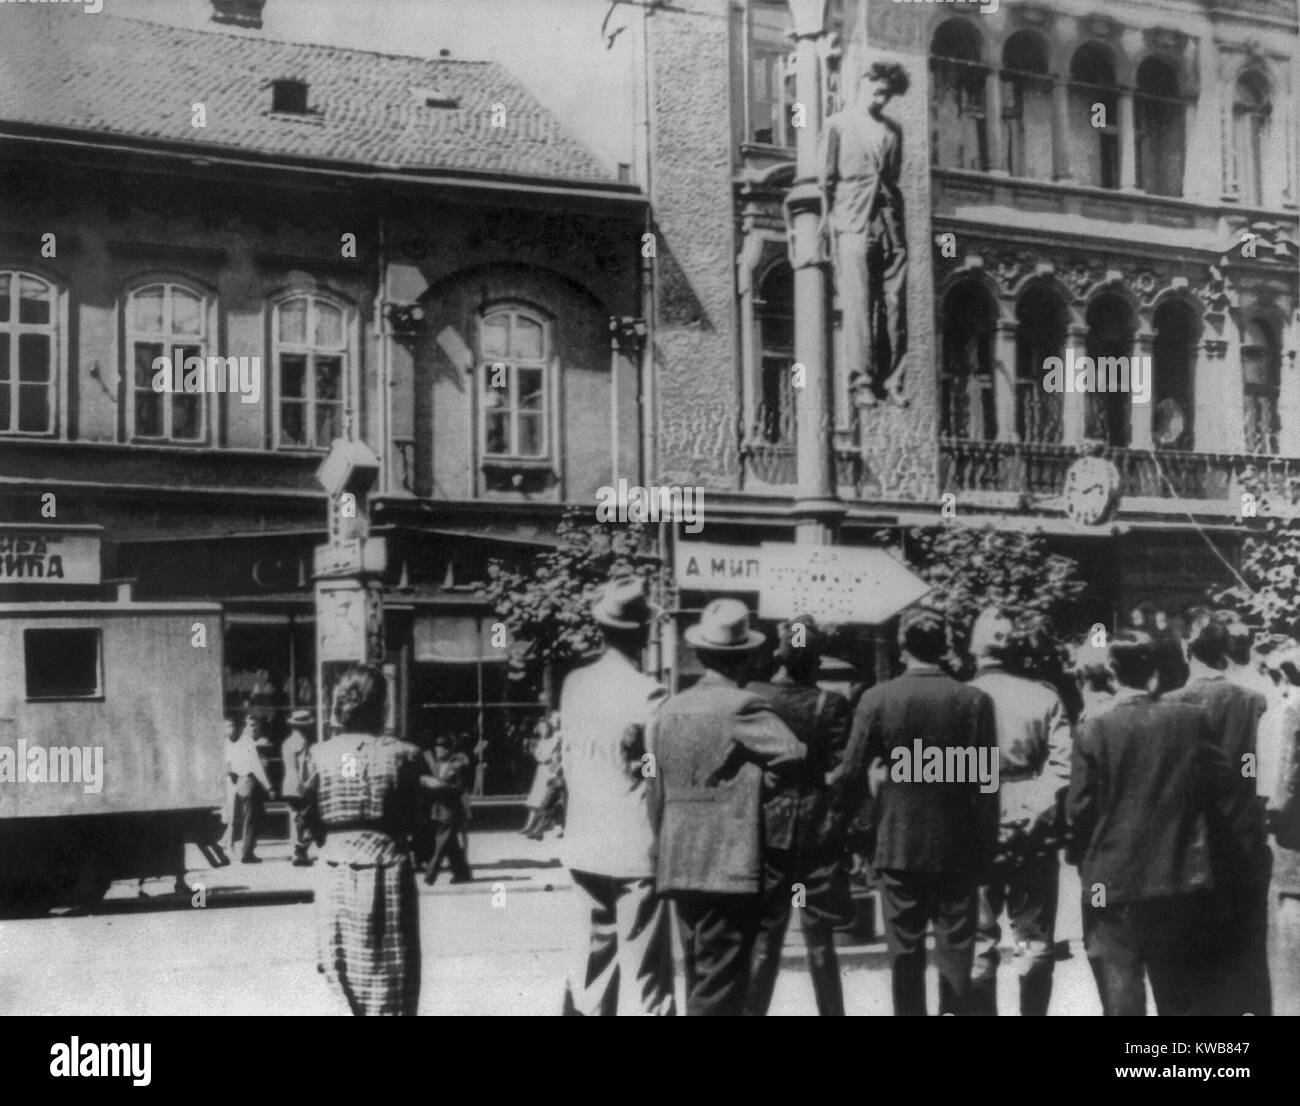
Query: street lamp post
x=817 y=509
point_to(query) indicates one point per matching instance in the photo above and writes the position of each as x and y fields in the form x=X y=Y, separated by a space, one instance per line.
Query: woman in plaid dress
x=362 y=802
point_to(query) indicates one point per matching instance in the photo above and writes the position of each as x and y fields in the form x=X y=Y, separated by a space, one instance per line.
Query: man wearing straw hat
x=623 y=929
x=708 y=750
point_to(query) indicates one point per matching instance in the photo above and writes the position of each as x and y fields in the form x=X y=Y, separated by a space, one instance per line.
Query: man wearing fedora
x=934 y=839
x=708 y=750
x=623 y=929
x=293 y=751
x=803 y=842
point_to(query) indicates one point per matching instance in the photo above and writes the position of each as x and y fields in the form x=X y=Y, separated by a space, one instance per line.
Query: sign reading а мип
x=48 y=555
x=830 y=583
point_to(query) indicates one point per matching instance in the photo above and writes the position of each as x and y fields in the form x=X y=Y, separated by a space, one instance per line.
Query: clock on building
x=1091 y=490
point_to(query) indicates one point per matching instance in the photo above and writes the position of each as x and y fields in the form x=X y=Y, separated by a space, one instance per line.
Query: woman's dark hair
x=360 y=699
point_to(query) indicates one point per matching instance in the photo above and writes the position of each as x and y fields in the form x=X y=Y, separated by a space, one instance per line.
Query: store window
x=64 y=663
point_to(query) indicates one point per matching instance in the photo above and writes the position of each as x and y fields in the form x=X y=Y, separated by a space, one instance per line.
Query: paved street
x=132 y=958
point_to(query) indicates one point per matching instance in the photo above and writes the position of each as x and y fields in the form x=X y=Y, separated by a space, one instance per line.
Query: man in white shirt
x=248 y=788
x=624 y=929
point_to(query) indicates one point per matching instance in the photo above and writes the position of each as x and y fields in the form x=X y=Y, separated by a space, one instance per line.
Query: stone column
x=1004 y=379
x=1061 y=128
x=993 y=121
x=1127 y=142
x=1074 y=404
x=1139 y=414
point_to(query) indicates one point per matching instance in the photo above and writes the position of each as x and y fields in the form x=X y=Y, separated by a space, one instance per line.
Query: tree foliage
x=1269 y=598
x=546 y=605
x=971 y=569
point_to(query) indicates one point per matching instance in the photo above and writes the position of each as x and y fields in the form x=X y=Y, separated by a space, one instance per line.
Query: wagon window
x=63 y=664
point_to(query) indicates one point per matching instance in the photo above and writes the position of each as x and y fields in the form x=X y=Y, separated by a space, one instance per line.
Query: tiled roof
x=62 y=67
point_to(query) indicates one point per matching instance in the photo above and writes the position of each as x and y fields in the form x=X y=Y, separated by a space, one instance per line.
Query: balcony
x=973 y=467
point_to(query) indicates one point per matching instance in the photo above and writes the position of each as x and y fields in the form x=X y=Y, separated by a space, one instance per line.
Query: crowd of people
x=1162 y=761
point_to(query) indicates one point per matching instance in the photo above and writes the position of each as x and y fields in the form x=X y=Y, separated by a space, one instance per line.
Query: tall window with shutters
x=28 y=354
x=311 y=363
x=162 y=318
x=514 y=356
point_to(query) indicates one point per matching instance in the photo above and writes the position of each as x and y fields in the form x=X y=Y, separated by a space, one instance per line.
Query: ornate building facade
x=1080 y=181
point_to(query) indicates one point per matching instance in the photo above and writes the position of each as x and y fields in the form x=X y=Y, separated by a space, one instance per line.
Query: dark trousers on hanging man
x=628 y=952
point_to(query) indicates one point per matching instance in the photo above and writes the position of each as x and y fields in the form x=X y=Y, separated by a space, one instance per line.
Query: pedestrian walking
x=1146 y=781
x=446 y=780
x=1034 y=743
x=1235 y=934
x=1279 y=780
x=934 y=837
x=293 y=752
x=545 y=802
x=363 y=802
x=803 y=838
x=247 y=788
x=710 y=745
x=624 y=940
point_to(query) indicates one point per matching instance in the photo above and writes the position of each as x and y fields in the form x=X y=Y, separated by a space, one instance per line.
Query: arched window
x=775 y=310
x=770 y=77
x=1041 y=334
x=1251 y=111
x=1260 y=372
x=1173 y=355
x=28 y=352
x=1111 y=326
x=959 y=137
x=514 y=355
x=311 y=363
x=1094 y=149
x=166 y=320
x=1027 y=106
x=966 y=382
x=1158 y=119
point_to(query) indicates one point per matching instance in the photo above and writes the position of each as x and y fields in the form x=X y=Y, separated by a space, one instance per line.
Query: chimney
x=238 y=13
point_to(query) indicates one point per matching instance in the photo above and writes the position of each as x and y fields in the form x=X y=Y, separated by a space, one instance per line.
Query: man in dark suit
x=803 y=846
x=1146 y=782
x=935 y=834
x=1236 y=933
x=447 y=780
x=709 y=747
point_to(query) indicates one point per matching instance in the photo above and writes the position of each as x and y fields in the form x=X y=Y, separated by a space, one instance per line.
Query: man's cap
x=991 y=633
x=622 y=604
x=302 y=718
x=724 y=628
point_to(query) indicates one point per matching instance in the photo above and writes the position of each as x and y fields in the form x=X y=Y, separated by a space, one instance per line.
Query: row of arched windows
x=311 y=344
x=1053 y=126
x=968 y=384
x=312 y=359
